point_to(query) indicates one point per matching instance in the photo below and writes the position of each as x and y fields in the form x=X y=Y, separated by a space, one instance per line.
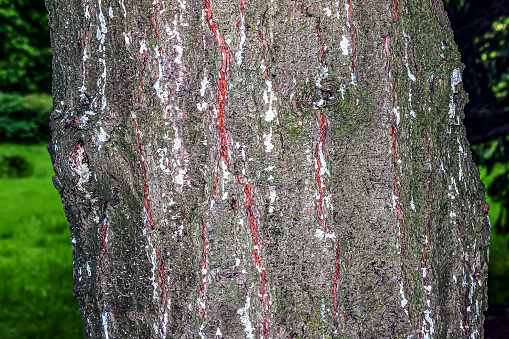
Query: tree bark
x=261 y=169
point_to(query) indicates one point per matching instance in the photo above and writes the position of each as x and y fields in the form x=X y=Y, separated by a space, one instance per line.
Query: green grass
x=498 y=293
x=36 y=299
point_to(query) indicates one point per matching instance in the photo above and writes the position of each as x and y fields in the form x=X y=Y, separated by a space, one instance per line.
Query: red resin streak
x=353 y=32
x=220 y=102
x=395 y=10
x=224 y=155
x=248 y=206
x=224 y=73
x=264 y=61
x=392 y=130
x=152 y=223
x=322 y=219
x=242 y=8
x=319 y=177
x=156 y=33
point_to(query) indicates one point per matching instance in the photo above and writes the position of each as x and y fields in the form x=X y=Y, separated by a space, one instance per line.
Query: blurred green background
x=36 y=299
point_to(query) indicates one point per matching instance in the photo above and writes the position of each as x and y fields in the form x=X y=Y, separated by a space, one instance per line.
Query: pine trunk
x=267 y=169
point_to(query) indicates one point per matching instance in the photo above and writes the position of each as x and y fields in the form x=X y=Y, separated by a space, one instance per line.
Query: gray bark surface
x=267 y=169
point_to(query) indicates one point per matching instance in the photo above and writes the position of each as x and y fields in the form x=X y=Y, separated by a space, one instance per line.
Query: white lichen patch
x=404 y=300
x=395 y=110
x=203 y=105
x=101 y=137
x=428 y=325
x=105 y=317
x=101 y=36
x=82 y=122
x=79 y=166
x=455 y=80
x=267 y=141
x=410 y=75
x=269 y=96
x=345 y=45
x=153 y=269
x=143 y=46
x=242 y=33
x=322 y=235
x=164 y=162
x=272 y=197
x=204 y=83
x=127 y=37
x=244 y=319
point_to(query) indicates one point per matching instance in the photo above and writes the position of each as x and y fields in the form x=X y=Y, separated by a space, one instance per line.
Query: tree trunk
x=262 y=169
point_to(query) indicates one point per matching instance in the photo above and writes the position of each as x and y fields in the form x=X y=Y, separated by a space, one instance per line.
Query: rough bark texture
x=267 y=169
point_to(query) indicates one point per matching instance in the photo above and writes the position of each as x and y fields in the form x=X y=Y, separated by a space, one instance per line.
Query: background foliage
x=24 y=118
x=25 y=64
x=36 y=298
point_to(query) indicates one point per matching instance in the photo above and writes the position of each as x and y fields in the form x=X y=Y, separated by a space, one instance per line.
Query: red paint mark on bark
x=248 y=207
x=353 y=32
x=395 y=8
x=233 y=204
